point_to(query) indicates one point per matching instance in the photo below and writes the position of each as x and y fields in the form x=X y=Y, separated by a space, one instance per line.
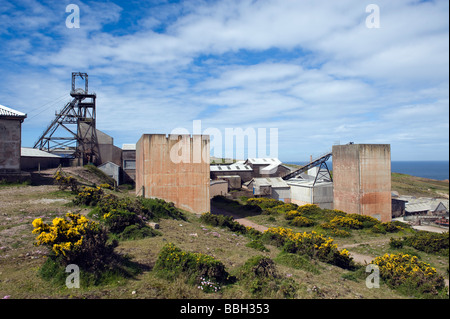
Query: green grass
x=417 y=186
x=296 y=275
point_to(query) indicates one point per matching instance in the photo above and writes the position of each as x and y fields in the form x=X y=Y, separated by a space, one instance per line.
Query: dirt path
x=239 y=219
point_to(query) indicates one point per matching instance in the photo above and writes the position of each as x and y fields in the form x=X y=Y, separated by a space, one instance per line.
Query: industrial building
x=10 y=142
x=362 y=179
x=174 y=168
x=274 y=187
x=129 y=163
x=33 y=159
x=267 y=167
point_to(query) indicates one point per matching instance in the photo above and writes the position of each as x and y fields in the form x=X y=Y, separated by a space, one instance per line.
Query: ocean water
x=428 y=169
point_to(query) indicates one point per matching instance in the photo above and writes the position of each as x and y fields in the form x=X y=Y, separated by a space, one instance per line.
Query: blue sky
x=311 y=69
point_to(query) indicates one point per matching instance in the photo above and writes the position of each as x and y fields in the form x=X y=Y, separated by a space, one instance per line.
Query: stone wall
x=10 y=143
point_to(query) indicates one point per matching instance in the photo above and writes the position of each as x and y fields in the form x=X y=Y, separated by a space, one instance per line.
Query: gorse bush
x=78 y=240
x=65 y=182
x=311 y=244
x=301 y=221
x=261 y=277
x=434 y=243
x=235 y=206
x=88 y=196
x=223 y=221
x=127 y=218
x=173 y=262
x=404 y=270
x=63 y=236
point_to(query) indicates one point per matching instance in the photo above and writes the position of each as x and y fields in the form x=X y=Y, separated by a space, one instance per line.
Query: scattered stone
x=154 y=225
x=193 y=235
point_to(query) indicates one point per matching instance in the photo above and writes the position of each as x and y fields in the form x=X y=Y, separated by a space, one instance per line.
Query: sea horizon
x=438 y=170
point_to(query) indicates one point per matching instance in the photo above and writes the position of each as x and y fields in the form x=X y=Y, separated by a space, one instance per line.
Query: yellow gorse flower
x=63 y=235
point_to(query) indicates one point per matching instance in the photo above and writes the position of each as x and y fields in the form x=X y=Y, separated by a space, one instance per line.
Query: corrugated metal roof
x=33 y=152
x=264 y=161
x=424 y=204
x=6 y=111
x=231 y=167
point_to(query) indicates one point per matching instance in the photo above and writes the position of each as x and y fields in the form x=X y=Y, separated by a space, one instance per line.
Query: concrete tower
x=174 y=168
x=362 y=179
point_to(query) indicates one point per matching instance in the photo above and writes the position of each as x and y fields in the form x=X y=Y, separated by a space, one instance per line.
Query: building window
x=129 y=164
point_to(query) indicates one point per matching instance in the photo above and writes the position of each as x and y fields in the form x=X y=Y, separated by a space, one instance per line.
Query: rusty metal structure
x=72 y=132
x=322 y=172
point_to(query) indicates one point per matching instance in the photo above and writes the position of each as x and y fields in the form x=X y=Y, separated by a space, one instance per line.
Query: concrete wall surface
x=320 y=195
x=219 y=187
x=174 y=168
x=362 y=179
x=10 y=143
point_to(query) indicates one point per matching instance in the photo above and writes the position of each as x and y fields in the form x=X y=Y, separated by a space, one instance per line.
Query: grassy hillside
x=285 y=275
x=419 y=186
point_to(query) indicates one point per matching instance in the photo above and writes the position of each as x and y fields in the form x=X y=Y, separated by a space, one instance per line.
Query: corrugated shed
x=33 y=152
x=230 y=168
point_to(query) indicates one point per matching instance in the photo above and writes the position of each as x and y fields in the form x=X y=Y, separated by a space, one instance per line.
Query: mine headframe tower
x=73 y=130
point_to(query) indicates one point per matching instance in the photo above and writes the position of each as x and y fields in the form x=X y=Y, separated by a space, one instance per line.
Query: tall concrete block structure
x=362 y=179
x=174 y=168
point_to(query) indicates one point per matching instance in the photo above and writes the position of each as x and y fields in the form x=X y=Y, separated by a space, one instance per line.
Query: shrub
x=88 y=196
x=301 y=221
x=223 y=221
x=391 y=227
x=292 y=214
x=346 y=222
x=65 y=182
x=79 y=241
x=378 y=228
x=260 y=276
x=173 y=262
x=296 y=261
x=264 y=202
x=435 y=243
x=119 y=214
x=309 y=210
x=340 y=232
x=404 y=270
x=63 y=236
x=155 y=209
x=257 y=244
x=106 y=186
x=138 y=232
x=367 y=221
x=395 y=243
x=311 y=244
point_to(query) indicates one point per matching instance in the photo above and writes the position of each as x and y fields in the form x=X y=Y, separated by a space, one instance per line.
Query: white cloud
x=310 y=68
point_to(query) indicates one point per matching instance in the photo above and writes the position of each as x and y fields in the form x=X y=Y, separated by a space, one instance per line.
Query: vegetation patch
x=410 y=275
x=198 y=268
x=80 y=241
x=297 y=261
x=261 y=277
x=432 y=243
x=310 y=244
